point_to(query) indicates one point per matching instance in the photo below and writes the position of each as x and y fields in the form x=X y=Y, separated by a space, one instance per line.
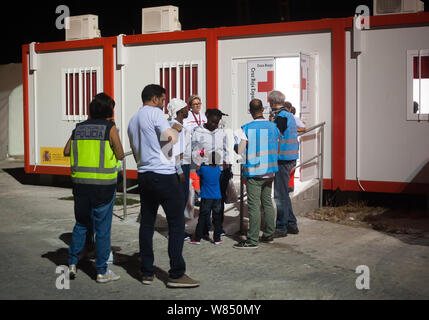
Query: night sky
x=24 y=22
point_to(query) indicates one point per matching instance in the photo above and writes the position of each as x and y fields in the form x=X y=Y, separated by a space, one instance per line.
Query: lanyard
x=199 y=123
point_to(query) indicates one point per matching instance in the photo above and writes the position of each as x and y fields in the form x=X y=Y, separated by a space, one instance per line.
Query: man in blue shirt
x=150 y=138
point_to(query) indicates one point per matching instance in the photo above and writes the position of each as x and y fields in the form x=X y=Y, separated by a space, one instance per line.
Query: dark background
x=23 y=22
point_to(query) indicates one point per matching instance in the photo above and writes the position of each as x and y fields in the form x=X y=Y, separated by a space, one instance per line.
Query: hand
x=182 y=178
x=177 y=127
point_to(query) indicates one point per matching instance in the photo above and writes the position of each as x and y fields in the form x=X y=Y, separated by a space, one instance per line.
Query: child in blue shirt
x=210 y=201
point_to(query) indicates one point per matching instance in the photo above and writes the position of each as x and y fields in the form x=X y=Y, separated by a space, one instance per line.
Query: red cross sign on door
x=268 y=85
x=303 y=83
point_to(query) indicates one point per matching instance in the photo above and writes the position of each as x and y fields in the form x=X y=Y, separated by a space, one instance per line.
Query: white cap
x=175 y=105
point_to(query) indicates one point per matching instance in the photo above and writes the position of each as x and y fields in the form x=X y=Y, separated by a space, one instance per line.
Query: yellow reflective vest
x=92 y=159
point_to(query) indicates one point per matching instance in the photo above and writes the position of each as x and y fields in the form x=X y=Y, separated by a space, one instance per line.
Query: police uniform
x=94 y=171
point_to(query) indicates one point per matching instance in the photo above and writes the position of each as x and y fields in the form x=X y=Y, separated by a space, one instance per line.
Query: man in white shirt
x=178 y=112
x=300 y=126
x=150 y=138
x=210 y=138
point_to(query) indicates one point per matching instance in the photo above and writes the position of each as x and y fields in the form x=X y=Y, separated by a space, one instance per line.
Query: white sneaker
x=72 y=271
x=107 y=277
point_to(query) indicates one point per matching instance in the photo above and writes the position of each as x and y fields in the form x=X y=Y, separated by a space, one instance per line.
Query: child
x=210 y=201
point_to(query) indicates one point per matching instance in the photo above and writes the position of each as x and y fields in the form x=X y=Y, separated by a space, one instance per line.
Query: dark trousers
x=225 y=176
x=186 y=168
x=285 y=216
x=165 y=190
x=208 y=206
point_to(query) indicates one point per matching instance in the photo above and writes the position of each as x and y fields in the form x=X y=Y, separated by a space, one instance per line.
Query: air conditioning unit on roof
x=82 y=27
x=160 y=19
x=397 y=6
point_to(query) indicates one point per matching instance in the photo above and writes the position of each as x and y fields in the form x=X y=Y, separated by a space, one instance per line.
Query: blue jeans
x=165 y=190
x=285 y=216
x=88 y=217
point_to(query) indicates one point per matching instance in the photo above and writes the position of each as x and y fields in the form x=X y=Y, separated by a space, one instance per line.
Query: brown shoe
x=279 y=234
x=182 y=282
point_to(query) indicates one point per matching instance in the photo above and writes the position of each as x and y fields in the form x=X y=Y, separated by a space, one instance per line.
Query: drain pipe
x=357 y=121
x=357 y=49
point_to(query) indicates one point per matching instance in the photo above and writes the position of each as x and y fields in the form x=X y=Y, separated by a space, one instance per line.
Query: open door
x=308 y=91
x=251 y=78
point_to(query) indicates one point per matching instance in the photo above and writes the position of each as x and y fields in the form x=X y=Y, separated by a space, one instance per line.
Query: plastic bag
x=231 y=195
x=189 y=209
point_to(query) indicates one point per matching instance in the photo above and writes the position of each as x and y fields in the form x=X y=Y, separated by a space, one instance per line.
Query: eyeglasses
x=196 y=104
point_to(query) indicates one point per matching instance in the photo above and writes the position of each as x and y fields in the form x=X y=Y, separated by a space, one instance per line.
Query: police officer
x=95 y=150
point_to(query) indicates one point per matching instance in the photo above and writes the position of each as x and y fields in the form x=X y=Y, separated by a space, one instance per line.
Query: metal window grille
x=180 y=80
x=80 y=86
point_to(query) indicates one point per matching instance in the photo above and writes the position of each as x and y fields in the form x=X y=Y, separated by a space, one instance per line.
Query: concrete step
x=305 y=197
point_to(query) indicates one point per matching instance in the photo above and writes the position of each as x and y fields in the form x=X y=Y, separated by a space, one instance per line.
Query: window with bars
x=418 y=85
x=180 y=80
x=79 y=88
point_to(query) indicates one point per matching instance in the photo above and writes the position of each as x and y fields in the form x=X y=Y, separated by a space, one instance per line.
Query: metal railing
x=124 y=182
x=319 y=155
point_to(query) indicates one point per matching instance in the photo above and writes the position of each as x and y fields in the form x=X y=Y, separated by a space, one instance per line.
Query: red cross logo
x=303 y=85
x=268 y=85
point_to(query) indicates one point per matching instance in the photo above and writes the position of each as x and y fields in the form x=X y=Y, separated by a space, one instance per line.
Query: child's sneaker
x=193 y=241
x=107 y=277
x=216 y=242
